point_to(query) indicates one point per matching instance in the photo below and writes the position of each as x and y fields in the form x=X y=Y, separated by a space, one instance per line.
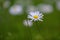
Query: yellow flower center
x=35 y=16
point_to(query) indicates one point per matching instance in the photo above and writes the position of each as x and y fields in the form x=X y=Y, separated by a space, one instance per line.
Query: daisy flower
x=58 y=5
x=45 y=8
x=27 y=23
x=16 y=9
x=35 y=15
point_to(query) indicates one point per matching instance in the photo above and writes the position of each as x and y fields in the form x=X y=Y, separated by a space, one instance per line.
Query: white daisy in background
x=58 y=5
x=27 y=23
x=16 y=9
x=35 y=15
x=45 y=8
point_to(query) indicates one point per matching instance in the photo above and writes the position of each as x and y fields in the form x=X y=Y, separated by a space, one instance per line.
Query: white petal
x=31 y=13
x=40 y=20
x=30 y=17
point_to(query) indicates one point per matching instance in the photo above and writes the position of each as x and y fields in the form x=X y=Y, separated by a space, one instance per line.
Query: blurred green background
x=12 y=28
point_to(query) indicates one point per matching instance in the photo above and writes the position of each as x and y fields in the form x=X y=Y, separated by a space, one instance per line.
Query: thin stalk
x=28 y=32
x=37 y=26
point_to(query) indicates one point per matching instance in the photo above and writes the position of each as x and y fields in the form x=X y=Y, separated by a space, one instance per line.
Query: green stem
x=37 y=26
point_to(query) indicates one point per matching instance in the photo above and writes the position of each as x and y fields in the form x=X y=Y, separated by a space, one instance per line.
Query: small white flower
x=36 y=15
x=15 y=9
x=45 y=8
x=58 y=5
x=27 y=23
